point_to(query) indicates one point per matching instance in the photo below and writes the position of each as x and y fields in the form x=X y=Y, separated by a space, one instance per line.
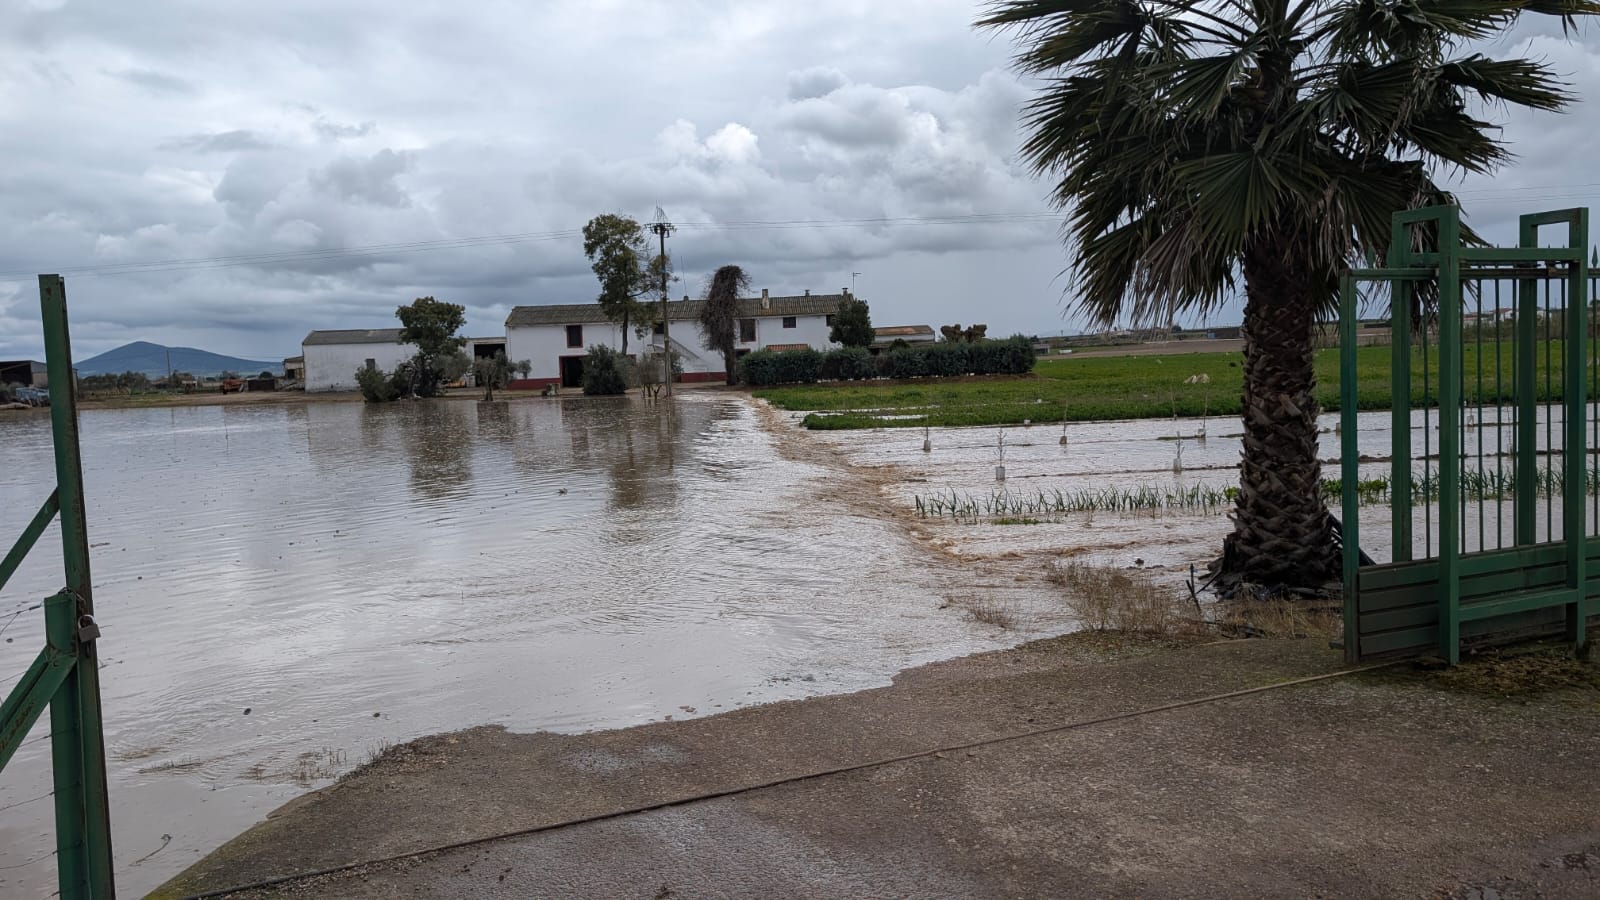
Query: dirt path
x=1121 y=770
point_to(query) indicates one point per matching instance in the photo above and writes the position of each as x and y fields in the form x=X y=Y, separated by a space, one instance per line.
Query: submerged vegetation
x=1008 y=508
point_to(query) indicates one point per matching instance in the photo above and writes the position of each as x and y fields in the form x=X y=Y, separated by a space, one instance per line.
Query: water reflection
x=437 y=447
x=494 y=421
x=540 y=563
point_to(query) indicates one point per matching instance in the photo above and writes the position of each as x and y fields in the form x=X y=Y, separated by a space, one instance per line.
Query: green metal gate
x=65 y=675
x=1478 y=500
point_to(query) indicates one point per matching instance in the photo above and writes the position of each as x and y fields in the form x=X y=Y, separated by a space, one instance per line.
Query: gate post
x=83 y=816
x=1450 y=374
x=1575 y=455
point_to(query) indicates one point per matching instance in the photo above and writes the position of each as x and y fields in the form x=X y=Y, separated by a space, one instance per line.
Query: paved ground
x=1390 y=783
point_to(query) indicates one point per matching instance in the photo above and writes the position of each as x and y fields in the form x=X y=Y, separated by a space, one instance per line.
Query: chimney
x=808 y=292
x=844 y=291
x=766 y=299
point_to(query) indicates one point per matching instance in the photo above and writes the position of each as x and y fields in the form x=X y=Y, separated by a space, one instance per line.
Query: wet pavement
x=1079 y=766
x=287 y=590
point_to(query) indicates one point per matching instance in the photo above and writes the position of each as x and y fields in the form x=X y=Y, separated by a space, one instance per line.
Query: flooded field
x=1182 y=468
x=286 y=590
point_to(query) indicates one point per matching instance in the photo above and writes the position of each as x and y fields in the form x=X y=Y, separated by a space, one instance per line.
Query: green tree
x=605 y=371
x=376 y=386
x=719 y=315
x=431 y=325
x=955 y=334
x=494 y=373
x=852 y=324
x=454 y=365
x=1192 y=142
x=620 y=255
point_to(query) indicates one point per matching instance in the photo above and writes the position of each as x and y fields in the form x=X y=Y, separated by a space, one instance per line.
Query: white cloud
x=181 y=131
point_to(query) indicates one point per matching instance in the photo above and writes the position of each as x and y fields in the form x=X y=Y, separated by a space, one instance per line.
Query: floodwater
x=285 y=590
x=1171 y=456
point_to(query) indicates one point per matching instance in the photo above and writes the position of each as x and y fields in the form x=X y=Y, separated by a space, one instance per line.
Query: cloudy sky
x=470 y=141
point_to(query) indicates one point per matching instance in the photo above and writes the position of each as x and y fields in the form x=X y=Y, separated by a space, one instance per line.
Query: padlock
x=87 y=629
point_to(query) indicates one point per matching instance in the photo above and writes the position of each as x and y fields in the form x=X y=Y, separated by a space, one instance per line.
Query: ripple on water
x=359 y=575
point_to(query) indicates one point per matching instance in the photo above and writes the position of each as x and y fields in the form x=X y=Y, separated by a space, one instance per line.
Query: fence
x=1492 y=514
x=65 y=675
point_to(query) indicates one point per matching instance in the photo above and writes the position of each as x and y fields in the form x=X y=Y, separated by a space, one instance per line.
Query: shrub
x=606 y=372
x=759 y=368
x=1013 y=356
x=763 y=367
x=907 y=362
x=848 y=364
x=376 y=385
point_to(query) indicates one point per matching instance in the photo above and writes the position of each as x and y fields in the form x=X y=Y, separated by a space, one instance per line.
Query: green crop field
x=1134 y=387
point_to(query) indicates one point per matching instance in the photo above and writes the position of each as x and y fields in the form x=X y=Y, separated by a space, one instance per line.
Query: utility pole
x=662 y=228
x=853 y=283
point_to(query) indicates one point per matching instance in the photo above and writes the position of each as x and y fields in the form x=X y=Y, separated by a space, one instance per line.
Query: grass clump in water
x=1120 y=600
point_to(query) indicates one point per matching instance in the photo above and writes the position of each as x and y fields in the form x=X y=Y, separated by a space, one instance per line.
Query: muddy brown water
x=286 y=590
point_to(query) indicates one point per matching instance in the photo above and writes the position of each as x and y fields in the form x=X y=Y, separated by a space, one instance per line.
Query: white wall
x=811 y=330
x=544 y=345
x=332 y=367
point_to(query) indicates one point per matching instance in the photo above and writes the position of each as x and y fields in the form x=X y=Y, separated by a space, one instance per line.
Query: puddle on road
x=286 y=590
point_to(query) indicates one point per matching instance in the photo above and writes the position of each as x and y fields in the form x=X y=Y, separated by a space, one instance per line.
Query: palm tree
x=1197 y=142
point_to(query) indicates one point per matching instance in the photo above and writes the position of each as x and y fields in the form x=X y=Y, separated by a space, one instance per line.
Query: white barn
x=331 y=358
x=556 y=338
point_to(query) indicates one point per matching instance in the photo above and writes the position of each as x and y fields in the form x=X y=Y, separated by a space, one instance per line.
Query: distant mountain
x=152 y=360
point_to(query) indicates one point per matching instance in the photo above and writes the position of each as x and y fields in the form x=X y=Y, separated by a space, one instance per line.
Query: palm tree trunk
x=1282 y=535
x=625 y=332
x=730 y=362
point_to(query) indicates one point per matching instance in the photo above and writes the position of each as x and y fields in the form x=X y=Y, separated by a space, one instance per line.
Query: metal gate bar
x=66 y=673
x=1463 y=585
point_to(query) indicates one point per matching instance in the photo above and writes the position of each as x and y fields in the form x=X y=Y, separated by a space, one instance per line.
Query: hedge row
x=763 y=368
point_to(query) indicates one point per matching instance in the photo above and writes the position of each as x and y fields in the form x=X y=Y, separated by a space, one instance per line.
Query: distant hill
x=151 y=359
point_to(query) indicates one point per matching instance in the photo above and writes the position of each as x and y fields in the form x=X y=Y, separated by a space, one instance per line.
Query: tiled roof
x=677 y=310
x=902 y=331
x=353 y=336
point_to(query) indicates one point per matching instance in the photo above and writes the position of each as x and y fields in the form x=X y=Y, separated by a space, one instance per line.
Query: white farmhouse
x=556 y=338
x=331 y=358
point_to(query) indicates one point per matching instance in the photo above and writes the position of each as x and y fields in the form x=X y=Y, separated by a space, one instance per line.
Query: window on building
x=788 y=321
x=747 y=331
x=829 y=321
x=371 y=364
x=574 y=335
x=659 y=329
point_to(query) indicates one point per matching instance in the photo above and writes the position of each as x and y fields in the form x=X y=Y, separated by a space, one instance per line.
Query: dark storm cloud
x=816 y=81
x=334 y=131
x=237 y=141
x=152 y=80
x=249 y=132
x=366 y=180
